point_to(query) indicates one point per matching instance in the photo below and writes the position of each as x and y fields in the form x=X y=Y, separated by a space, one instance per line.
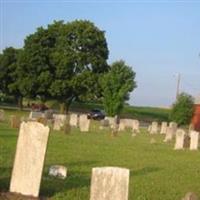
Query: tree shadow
x=144 y=171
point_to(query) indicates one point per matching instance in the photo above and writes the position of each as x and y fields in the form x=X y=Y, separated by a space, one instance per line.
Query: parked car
x=96 y=114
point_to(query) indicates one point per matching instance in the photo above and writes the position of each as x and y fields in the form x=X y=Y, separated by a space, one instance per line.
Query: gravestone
x=15 y=121
x=128 y=123
x=173 y=125
x=2 y=115
x=169 y=134
x=190 y=196
x=111 y=120
x=122 y=125
x=34 y=115
x=163 y=128
x=58 y=171
x=194 y=140
x=59 y=121
x=48 y=114
x=84 y=123
x=29 y=158
x=154 y=128
x=73 y=120
x=149 y=128
x=109 y=183
x=180 y=139
x=136 y=125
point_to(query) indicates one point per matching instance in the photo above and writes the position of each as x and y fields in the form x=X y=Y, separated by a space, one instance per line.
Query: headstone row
x=184 y=140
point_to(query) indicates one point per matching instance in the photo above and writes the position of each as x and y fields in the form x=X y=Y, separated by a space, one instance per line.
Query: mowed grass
x=157 y=172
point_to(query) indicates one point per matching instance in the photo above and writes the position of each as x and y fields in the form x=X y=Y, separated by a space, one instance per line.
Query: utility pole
x=178 y=85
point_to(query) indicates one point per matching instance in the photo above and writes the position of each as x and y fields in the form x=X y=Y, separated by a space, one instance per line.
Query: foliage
x=62 y=60
x=182 y=109
x=116 y=86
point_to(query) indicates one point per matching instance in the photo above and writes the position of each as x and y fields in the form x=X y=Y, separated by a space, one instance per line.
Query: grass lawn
x=157 y=172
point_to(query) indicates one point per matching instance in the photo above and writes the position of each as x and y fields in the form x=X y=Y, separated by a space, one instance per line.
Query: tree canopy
x=182 y=109
x=116 y=87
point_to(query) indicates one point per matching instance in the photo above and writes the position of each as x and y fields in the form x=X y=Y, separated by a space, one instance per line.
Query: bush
x=182 y=109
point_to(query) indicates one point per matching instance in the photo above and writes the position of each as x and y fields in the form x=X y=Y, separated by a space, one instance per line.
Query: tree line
x=66 y=62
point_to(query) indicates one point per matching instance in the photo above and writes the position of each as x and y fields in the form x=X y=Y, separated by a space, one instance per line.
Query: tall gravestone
x=73 y=120
x=122 y=125
x=2 y=115
x=154 y=128
x=136 y=126
x=84 y=123
x=194 y=140
x=29 y=158
x=109 y=183
x=163 y=128
x=180 y=138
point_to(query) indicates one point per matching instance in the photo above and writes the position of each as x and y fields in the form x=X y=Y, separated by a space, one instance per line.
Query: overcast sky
x=159 y=39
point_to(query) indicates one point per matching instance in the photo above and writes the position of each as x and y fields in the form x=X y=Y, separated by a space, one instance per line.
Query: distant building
x=196 y=116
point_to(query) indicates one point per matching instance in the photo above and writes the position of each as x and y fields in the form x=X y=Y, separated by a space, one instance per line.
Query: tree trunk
x=20 y=103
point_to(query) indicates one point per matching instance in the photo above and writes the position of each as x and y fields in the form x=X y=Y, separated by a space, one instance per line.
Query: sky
x=158 y=39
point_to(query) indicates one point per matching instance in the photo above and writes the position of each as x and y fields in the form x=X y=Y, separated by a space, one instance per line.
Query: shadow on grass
x=144 y=171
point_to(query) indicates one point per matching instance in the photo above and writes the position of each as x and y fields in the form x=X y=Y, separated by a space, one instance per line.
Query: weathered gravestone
x=173 y=125
x=58 y=171
x=128 y=123
x=2 y=115
x=59 y=121
x=73 y=121
x=154 y=128
x=163 y=128
x=136 y=126
x=169 y=134
x=109 y=183
x=104 y=123
x=194 y=140
x=14 y=121
x=190 y=196
x=180 y=138
x=111 y=121
x=29 y=158
x=84 y=123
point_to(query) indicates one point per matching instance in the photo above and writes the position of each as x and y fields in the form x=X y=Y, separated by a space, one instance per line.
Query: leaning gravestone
x=154 y=128
x=29 y=158
x=2 y=115
x=163 y=128
x=59 y=121
x=136 y=126
x=180 y=138
x=109 y=183
x=73 y=120
x=194 y=140
x=84 y=123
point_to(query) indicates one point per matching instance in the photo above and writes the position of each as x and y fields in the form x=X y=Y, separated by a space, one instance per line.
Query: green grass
x=157 y=172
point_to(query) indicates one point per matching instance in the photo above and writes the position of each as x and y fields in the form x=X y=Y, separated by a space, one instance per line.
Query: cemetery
x=88 y=162
x=78 y=122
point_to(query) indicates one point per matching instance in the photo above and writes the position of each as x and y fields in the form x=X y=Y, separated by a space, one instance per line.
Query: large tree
x=63 y=60
x=116 y=87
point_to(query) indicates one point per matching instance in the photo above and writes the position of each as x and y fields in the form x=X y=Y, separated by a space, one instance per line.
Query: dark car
x=96 y=114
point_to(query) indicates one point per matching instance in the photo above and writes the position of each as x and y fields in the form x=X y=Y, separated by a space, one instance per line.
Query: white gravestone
x=194 y=140
x=180 y=138
x=173 y=125
x=109 y=183
x=73 y=120
x=122 y=125
x=169 y=134
x=154 y=128
x=163 y=128
x=136 y=126
x=84 y=123
x=29 y=158
x=111 y=121
x=59 y=121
